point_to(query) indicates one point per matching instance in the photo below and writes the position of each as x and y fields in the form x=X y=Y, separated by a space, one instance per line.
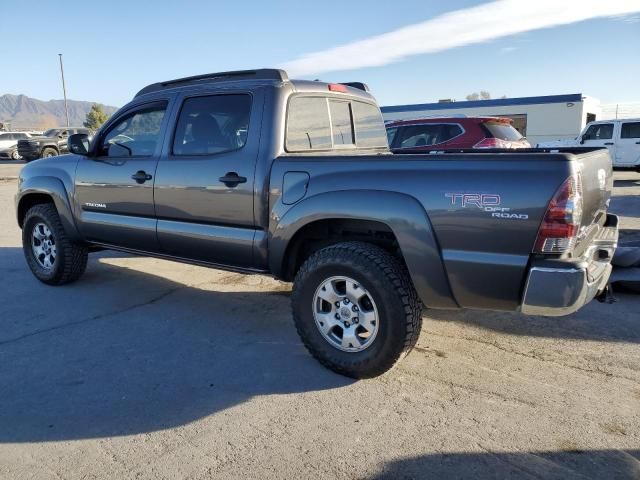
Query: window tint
x=630 y=130
x=18 y=136
x=369 y=125
x=136 y=135
x=308 y=124
x=599 y=131
x=448 y=131
x=341 y=123
x=391 y=134
x=419 y=136
x=503 y=131
x=213 y=124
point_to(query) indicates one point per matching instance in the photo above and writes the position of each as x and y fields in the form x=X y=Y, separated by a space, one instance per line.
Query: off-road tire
x=71 y=259
x=49 y=152
x=386 y=278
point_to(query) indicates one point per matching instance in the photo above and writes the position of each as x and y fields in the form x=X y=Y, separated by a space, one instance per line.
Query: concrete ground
x=151 y=369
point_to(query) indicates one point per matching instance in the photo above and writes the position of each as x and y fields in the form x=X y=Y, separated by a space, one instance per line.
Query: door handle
x=232 y=179
x=637 y=143
x=141 y=176
x=608 y=143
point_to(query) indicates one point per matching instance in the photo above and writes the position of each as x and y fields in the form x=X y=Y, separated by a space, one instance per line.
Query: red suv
x=452 y=133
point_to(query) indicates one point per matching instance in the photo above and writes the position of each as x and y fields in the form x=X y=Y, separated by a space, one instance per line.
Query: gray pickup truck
x=252 y=172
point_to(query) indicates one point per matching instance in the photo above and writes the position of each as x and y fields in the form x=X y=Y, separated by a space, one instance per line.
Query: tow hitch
x=606 y=295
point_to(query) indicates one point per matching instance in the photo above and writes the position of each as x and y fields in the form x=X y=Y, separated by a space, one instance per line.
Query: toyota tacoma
x=252 y=172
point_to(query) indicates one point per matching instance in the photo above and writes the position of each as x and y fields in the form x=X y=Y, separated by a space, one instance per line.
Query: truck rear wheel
x=51 y=256
x=355 y=309
x=49 y=152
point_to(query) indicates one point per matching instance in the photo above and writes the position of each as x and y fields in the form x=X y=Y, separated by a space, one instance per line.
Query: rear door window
x=419 y=136
x=449 y=132
x=391 y=134
x=212 y=124
x=630 y=130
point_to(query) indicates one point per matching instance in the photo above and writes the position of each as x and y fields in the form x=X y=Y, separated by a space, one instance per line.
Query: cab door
x=628 y=148
x=601 y=135
x=114 y=186
x=204 y=189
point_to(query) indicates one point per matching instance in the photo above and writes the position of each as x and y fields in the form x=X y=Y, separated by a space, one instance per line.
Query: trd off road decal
x=487 y=202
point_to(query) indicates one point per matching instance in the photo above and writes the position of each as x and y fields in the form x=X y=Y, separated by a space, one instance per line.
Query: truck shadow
x=124 y=352
x=550 y=465
x=617 y=322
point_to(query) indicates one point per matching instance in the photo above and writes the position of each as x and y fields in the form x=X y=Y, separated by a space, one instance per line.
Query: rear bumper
x=556 y=290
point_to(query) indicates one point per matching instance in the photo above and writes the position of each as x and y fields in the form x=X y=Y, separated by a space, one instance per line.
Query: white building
x=552 y=117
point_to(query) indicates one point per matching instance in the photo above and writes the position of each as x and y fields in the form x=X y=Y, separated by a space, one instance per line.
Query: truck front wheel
x=355 y=309
x=49 y=152
x=51 y=256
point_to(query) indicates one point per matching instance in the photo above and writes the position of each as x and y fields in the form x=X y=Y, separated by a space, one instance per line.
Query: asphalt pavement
x=147 y=368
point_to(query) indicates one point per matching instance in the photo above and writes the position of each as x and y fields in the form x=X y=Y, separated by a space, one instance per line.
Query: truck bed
x=484 y=256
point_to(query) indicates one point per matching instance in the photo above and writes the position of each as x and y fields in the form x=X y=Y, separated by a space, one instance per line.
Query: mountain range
x=23 y=112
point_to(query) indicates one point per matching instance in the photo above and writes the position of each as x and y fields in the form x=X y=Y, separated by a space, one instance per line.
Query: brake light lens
x=559 y=228
x=492 y=143
x=337 y=87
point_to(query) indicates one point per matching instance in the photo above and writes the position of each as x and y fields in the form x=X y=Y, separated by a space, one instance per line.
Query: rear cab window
x=324 y=123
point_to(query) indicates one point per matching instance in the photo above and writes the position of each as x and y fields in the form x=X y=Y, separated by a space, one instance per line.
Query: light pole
x=64 y=90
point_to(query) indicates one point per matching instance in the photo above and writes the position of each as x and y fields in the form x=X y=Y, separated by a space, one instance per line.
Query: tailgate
x=596 y=172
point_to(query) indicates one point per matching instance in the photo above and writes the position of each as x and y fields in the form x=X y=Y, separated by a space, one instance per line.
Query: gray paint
x=458 y=256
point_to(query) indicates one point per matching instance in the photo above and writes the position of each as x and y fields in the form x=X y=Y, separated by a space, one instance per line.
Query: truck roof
x=259 y=76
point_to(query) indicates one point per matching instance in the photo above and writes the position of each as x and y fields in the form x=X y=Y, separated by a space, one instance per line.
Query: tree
x=95 y=118
x=483 y=95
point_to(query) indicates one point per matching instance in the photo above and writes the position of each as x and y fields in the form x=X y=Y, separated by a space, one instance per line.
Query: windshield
x=52 y=132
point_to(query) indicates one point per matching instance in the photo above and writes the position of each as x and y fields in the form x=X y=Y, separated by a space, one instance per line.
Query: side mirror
x=582 y=139
x=79 y=143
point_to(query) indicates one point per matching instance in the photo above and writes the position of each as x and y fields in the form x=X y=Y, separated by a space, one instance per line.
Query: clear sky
x=111 y=49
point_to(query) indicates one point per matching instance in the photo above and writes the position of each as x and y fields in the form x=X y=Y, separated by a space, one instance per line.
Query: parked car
x=453 y=133
x=253 y=172
x=51 y=143
x=9 y=144
x=620 y=137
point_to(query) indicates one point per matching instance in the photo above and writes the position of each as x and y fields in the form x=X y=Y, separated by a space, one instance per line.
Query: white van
x=621 y=137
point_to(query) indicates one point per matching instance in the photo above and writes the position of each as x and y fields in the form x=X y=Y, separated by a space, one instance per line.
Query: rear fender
x=401 y=213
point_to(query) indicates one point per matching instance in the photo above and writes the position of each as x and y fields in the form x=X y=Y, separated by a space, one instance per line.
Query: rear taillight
x=492 y=142
x=559 y=228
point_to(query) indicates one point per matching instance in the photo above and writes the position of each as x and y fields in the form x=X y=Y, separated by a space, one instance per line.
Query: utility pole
x=64 y=90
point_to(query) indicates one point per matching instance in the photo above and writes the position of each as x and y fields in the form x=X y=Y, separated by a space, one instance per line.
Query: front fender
x=54 y=188
x=401 y=213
